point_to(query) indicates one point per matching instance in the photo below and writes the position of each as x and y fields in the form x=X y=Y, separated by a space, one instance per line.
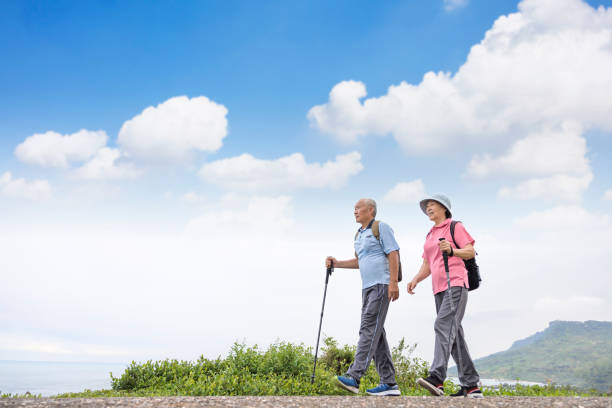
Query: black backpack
x=470 y=264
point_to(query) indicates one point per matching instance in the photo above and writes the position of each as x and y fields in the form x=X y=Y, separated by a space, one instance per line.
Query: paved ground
x=310 y=402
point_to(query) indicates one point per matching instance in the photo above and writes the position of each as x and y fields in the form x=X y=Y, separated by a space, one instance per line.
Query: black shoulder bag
x=470 y=264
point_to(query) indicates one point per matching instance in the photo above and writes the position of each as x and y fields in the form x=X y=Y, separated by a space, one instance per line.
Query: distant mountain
x=573 y=353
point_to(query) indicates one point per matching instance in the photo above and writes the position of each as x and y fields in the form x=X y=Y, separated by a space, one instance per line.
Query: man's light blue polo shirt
x=371 y=253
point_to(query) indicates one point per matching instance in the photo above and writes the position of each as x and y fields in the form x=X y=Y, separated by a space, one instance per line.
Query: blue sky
x=501 y=105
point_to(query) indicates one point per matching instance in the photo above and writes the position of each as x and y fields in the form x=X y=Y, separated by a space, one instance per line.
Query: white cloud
x=561 y=218
x=537 y=72
x=52 y=149
x=537 y=67
x=21 y=188
x=106 y=165
x=450 y=5
x=544 y=153
x=12 y=342
x=173 y=129
x=246 y=172
x=561 y=187
x=608 y=195
x=192 y=197
x=263 y=215
x=573 y=303
x=406 y=192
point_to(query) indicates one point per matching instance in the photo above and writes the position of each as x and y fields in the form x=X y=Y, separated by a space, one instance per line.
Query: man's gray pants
x=449 y=332
x=372 y=338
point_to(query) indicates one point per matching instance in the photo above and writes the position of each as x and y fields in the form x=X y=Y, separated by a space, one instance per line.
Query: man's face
x=363 y=211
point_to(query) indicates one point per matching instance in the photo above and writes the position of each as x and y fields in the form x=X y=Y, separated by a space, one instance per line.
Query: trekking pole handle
x=330 y=269
x=444 y=255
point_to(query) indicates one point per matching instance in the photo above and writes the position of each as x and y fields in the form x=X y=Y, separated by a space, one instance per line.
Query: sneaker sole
x=475 y=396
x=347 y=387
x=430 y=387
x=394 y=393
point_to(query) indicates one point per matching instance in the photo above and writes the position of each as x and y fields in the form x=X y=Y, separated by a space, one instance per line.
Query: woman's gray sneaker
x=473 y=392
x=469 y=392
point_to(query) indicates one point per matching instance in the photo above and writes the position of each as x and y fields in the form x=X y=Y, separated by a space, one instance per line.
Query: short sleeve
x=462 y=237
x=387 y=239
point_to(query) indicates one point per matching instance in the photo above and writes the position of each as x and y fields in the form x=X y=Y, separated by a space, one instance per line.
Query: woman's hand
x=329 y=261
x=411 y=285
x=445 y=246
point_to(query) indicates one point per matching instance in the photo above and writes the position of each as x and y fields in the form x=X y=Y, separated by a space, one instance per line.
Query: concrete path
x=308 y=402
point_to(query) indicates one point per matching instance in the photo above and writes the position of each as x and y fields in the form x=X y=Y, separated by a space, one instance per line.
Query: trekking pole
x=445 y=256
x=450 y=295
x=327 y=275
x=450 y=298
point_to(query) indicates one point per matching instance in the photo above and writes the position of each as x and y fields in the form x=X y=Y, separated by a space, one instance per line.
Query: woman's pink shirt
x=433 y=255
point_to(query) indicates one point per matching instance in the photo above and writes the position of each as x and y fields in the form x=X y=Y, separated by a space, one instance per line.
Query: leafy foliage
x=282 y=369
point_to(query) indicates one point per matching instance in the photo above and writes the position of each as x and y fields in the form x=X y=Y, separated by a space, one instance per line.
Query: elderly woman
x=450 y=293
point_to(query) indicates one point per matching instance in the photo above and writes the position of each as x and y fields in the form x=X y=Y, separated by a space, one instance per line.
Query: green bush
x=282 y=369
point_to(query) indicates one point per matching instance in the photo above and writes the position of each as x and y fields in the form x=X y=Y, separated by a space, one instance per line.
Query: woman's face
x=435 y=211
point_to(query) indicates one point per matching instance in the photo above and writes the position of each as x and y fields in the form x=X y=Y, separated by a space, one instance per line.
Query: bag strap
x=376 y=229
x=374 y=224
x=452 y=230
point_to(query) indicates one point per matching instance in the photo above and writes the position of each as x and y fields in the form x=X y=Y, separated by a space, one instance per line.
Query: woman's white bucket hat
x=441 y=198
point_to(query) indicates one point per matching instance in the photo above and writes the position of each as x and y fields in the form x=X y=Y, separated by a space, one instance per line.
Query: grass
x=282 y=369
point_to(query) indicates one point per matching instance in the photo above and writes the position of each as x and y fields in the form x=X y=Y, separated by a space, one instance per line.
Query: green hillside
x=574 y=353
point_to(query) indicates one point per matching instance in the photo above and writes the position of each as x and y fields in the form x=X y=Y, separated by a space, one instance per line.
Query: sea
x=53 y=378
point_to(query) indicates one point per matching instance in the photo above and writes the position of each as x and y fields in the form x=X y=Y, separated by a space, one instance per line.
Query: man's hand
x=393 y=291
x=445 y=246
x=329 y=261
x=411 y=285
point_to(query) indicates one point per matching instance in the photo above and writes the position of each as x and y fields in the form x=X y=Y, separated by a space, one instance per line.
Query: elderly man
x=377 y=258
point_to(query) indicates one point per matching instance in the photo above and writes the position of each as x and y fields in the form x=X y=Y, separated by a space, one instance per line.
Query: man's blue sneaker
x=348 y=383
x=384 y=389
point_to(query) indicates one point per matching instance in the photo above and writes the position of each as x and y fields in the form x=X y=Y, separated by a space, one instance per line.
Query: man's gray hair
x=371 y=203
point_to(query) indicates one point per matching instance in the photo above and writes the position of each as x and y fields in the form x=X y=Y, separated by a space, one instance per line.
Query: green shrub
x=283 y=369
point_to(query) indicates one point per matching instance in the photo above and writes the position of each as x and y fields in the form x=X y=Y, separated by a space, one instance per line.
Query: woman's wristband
x=452 y=252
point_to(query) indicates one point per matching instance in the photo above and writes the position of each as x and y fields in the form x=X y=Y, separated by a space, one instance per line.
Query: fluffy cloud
x=106 y=165
x=450 y=5
x=555 y=161
x=52 y=149
x=192 y=197
x=173 y=129
x=546 y=64
x=608 y=195
x=406 y=192
x=563 y=217
x=21 y=188
x=573 y=303
x=560 y=187
x=537 y=80
x=540 y=154
x=263 y=215
x=246 y=172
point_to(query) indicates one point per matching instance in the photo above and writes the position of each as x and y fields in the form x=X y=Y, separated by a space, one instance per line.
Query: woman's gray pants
x=372 y=339
x=449 y=332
